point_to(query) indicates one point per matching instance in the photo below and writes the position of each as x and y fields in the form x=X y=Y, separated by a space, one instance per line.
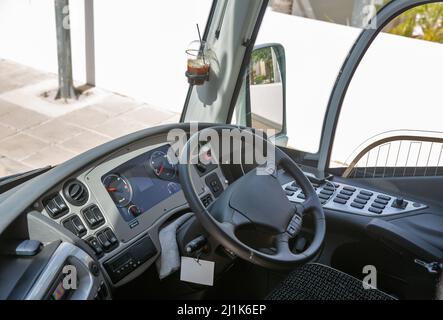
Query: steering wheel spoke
x=302 y=208
x=284 y=252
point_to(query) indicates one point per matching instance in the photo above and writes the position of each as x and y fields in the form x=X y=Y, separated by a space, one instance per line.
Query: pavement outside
x=32 y=138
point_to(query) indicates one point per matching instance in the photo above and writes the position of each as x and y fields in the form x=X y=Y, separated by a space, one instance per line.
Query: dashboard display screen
x=141 y=183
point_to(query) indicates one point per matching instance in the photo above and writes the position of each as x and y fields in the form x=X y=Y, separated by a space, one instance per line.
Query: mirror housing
x=265 y=91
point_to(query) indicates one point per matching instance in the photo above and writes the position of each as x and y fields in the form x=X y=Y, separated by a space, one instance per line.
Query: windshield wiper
x=9 y=182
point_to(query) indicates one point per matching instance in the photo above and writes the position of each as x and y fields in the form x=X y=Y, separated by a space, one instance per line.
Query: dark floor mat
x=319 y=282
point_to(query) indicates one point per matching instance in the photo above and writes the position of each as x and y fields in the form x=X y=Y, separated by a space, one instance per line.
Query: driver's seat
x=315 y=281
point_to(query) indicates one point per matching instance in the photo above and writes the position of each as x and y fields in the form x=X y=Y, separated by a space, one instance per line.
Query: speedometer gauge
x=119 y=189
x=162 y=167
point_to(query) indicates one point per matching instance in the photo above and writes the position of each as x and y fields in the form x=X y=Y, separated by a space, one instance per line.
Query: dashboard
x=118 y=205
x=109 y=204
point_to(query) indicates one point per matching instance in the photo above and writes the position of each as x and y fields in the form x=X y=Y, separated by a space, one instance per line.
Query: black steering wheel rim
x=224 y=231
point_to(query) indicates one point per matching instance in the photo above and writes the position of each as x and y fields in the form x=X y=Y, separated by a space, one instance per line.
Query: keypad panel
x=342 y=197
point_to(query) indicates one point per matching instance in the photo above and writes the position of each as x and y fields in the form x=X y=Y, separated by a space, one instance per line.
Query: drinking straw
x=201 y=44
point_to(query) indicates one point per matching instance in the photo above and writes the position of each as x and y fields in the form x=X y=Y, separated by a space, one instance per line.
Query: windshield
x=314 y=37
x=125 y=58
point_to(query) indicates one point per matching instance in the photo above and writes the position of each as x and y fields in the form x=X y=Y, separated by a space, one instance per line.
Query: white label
x=197 y=271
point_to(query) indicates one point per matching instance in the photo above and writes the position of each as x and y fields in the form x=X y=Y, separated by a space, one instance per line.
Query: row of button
x=93 y=216
x=56 y=207
x=105 y=241
x=324 y=194
x=361 y=200
x=75 y=225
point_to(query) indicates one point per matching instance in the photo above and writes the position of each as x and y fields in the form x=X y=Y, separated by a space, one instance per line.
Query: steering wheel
x=256 y=200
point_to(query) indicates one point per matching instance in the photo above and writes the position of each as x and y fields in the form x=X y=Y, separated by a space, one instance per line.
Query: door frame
x=347 y=71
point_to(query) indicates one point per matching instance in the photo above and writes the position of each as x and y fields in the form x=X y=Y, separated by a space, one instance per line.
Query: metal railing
x=407 y=154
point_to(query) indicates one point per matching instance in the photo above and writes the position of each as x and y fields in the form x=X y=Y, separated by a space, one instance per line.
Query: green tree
x=423 y=22
x=258 y=56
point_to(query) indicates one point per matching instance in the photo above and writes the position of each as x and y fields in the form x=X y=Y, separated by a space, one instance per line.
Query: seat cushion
x=315 y=281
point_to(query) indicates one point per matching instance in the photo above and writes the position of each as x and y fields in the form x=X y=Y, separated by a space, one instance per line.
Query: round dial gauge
x=119 y=189
x=161 y=165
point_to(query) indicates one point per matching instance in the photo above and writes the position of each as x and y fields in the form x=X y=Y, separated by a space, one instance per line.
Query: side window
x=391 y=119
x=291 y=95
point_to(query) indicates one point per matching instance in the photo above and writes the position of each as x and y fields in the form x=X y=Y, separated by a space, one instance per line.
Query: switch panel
x=55 y=206
x=107 y=239
x=124 y=263
x=75 y=225
x=93 y=217
x=213 y=182
x=342 y=197
x=95 y=245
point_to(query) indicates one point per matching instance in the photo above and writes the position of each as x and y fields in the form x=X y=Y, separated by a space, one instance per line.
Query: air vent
x=76 y=192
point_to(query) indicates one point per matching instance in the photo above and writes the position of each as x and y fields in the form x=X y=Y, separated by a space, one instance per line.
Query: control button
x=69 y=225
x=375 y=210
x=206 y=200
x=294 y=225
x=75 y=225
x=213 y=182
x=348 y=193
x=378 y=205
x=79 y=226
x=106 y=244
x=351 y=189
x=363 y=197
x=52 y=208
x=343 y=196
x=94 y=268
x=340 y=201
x=93 y=216
x=400 y=203
x=289 y=193
x=95 y=245
x=361 y=201
x=60 y=203
x=329 y=188
x=301 y=196
x=89 y=216
x=357 y=205
x=324 y=196
x=326 y=192
x=214 y=186
x=107 y=239
x=384 y=197
x=291 y=188
x=366 y=193
x=97 y=213
x=381 y=201
x=56 y=207
x=111 y=237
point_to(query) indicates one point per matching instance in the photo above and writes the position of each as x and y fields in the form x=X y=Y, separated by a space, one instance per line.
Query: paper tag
x=197 y=271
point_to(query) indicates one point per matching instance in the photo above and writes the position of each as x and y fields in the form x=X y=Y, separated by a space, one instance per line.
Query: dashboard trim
x=66 y=251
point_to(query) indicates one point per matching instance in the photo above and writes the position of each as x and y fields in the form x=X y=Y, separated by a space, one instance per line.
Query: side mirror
x=266 y=91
